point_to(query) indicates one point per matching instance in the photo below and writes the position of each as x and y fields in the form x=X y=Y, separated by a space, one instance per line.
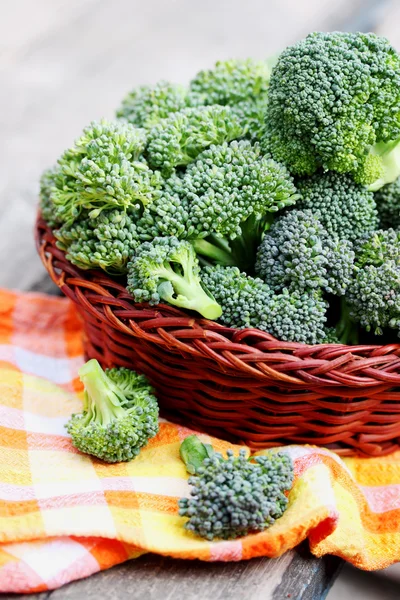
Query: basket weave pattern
x=242 y=385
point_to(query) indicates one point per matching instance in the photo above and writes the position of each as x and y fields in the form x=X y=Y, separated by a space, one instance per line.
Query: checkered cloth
x=64 y=515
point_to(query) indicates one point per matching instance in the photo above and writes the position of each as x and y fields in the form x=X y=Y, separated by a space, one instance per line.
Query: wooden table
x=66 y=62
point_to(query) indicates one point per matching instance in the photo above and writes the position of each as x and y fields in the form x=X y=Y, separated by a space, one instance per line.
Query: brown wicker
x=238 y=384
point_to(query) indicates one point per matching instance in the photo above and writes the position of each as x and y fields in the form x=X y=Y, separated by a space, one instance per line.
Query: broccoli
x=345 y=208
x=178 y=139
x=244 y=300
x=388 y=205
x=234 y=496
x=294 y=316
x=167 y=269
x=107 y=241
x=145 y=106
x=120 y=413
x=298 y=253
x=334 y=101
x=223 y=203
x=103 y=170
x=47 y=208
x=373 y=296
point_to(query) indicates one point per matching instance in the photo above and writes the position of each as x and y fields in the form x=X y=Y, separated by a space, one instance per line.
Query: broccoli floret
x=181 y=137
x=103 y=170
x=47 y=208
x=334 y=101
x=388 y=205
x=120 y=414
x=167 y=269
x=145 y=106
x=251 y=114
x=223 y=203
x=346 y=209
x=374 y=294
x=244 y=300
x=298 y=253
x=107 y=241
x=234 y=496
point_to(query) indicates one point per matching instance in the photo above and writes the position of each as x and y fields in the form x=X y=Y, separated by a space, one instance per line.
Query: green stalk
x=100 y=393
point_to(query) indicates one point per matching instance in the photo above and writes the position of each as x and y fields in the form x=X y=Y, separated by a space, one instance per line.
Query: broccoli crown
x=374 y=294
x=244 y=300
x=107 y=241
x=296 y=316
x=167 y=269
x=235 y=496
x=232 y=81
x=388 y=205
x=251 y=114
x=332 y=96
x=346 y=209
x=145 y=106
x=298 y=253
x=46 y=205
x=178 y=139
x=103 y=171
x=120 y=414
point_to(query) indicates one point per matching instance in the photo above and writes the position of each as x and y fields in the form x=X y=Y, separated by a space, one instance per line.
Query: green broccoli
x=107 y=241
x=47 y=208
x=167 y=269
x=181 y=137
x=120 y=413
x=388 y=205
x=233 y=496
x=293 y=316
x=103 y=170
x=345 y=208
x=334 y=101
x=298 y=253
x=145 y=106
x=373 y=296
x=223 y=203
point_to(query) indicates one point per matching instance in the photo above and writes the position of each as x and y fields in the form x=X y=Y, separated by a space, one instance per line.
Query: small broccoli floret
x=296 y=316
x=47 y=208
x=298 y=253
x=181 y=137
x=107 y=241
x=346 y=209
x=388 y=205
x=244 y=300
x=120 y=414
x=167 y=269
x=102 y=171
x=251 y=114
x=334 y=101
x=374 y=294
x=235 y=496
x=145 y=106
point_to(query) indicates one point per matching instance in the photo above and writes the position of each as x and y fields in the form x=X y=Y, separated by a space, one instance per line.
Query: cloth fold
x=64 y=515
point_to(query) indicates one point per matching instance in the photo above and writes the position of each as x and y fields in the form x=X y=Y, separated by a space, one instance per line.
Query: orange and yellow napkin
x=64 y=515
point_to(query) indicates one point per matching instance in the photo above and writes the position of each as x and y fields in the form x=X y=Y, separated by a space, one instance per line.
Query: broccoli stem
x=389 y=153
x=346 y=328
x=101 y=397
x=211 y=250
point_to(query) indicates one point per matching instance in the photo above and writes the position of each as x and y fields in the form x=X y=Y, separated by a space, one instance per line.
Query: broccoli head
x=145 y=106
x=167 y=269
x=120 y=414
x=181 y=137
x=103 y=170
x=345 y=208
x=106 y=242
x=388 y=205
x=234 y=496
x=373 y=296
x=47 y=208
x=298 y=253
x=334 y=101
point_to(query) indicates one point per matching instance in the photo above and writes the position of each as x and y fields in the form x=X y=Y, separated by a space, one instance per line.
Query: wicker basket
x=242 y=385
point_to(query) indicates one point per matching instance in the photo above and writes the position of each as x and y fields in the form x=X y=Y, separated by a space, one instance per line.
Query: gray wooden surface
x=66 y=62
